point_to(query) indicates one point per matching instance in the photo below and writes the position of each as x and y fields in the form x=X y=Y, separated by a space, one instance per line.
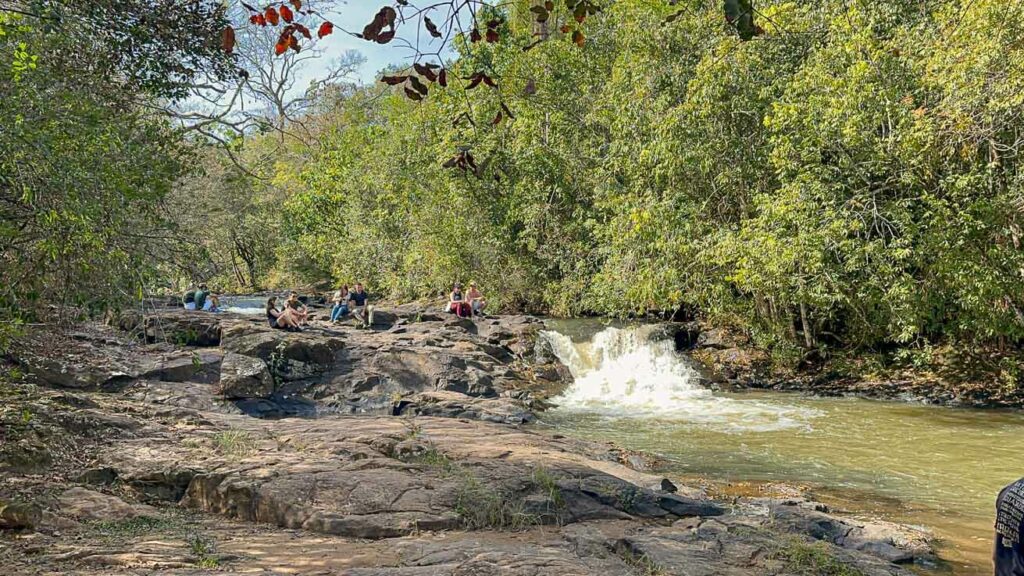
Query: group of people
x=466 y=304
x=344 y=302
x=355 y=301
x=201 y=299
x=294 y=314
x=291 y=317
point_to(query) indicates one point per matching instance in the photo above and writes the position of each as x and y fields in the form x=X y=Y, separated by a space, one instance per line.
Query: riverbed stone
x=245 y=377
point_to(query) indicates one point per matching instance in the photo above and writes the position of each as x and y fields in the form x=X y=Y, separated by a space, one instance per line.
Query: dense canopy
x=847 y=178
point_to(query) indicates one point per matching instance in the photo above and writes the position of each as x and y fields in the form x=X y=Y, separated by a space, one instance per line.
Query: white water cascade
x=625 y=372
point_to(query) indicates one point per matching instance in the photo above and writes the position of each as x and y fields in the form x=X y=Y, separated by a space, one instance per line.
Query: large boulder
x=201 y=366
x=419 y=370
x=245 y=377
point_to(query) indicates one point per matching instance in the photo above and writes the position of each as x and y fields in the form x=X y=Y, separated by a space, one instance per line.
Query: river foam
x=630 y=372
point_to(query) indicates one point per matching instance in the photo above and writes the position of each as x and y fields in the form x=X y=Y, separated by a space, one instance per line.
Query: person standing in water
x=1008 y=556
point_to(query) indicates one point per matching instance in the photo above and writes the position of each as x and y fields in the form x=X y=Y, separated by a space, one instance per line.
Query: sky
x=353 y=15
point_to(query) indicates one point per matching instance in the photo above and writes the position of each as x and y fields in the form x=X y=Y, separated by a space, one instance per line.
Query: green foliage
x=85 y=163
x=811 y=559
x=203 y=550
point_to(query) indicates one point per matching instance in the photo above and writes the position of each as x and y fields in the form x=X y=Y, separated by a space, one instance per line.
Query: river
x=936 y=467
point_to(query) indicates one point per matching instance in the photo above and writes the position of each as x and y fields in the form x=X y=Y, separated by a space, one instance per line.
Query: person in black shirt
x=1008 y=556
x=360 y=306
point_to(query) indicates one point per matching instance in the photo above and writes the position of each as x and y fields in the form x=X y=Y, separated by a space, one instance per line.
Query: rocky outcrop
x=245 y=377
x=398 y=450
x=83 y=504
x=174 y=326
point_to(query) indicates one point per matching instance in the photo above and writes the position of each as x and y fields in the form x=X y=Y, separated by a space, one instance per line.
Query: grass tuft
x=804 y=558
x=234 y=444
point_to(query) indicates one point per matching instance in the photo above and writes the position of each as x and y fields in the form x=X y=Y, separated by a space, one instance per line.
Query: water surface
x=932 y=466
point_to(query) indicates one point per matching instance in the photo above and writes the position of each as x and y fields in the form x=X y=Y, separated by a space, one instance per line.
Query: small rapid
x=631 y=372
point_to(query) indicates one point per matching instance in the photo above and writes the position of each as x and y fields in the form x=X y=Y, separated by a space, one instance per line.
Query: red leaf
x=497 y=119
x=293 y=43
x=385 y=37
x=280 y=47
x=258 y=19
x=297 y=4
x=303 y=30
x=492 y=36
x=228 y=40
x=442 y=78
x=286 y=14
x=393 y=80
x=475 y=36
x=325 y=29
x=272 y=16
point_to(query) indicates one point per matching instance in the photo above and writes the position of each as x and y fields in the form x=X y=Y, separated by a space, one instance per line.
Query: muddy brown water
x=936 y=467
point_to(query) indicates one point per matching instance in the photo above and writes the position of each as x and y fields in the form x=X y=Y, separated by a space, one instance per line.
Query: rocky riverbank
x=179 y=443
x=944 y=375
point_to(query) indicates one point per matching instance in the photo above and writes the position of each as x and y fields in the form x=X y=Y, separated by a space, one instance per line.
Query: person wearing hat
x=476 y=299
x=457 y=303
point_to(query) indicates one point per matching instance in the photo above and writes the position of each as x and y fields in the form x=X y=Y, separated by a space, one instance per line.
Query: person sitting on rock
x=340 y=301
x=212 y=304
x=201 y=295
x=457 y=303
x=1008 y=555
x=359 y=302
x=281 y=319
x=298 y=309
x=189 y=299
x=476 y=299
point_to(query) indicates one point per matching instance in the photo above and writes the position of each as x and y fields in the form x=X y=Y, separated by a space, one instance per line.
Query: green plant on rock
x=639 y=564
x=804 y=558
x=234 y=443
x=548 y=485
x=434 y=459
x=203 y=550
x=483 y=505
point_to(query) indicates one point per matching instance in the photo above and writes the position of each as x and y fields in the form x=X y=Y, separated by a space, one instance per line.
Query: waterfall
x=629 y=372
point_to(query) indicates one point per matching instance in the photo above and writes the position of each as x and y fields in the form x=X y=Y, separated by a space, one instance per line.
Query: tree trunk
x=805 y=321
